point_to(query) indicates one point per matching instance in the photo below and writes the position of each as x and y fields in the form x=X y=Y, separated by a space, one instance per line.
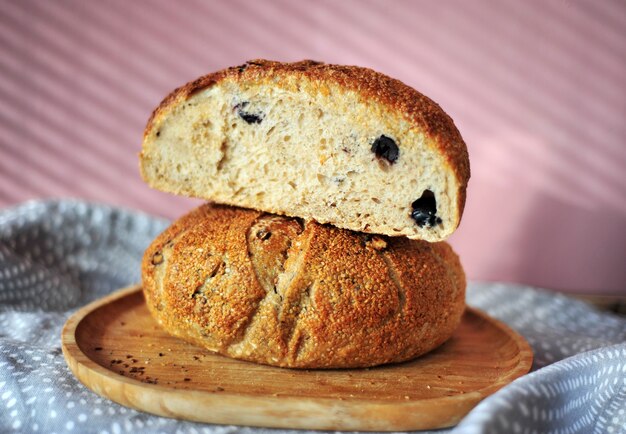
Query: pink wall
x=538 y=90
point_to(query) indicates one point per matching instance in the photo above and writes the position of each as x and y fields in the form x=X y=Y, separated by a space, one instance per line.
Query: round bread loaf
x=337 y=144
x=280 y=291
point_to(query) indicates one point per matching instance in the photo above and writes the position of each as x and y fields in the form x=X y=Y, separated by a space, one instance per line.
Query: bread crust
x=419 y=110
x=279 y=291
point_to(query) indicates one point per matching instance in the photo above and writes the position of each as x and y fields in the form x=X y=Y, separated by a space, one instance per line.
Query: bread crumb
x=377 y=243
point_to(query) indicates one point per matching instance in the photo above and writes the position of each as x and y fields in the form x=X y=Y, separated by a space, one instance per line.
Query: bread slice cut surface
x=336 y=144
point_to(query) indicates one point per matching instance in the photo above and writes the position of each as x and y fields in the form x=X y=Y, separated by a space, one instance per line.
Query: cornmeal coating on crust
x=286 y=292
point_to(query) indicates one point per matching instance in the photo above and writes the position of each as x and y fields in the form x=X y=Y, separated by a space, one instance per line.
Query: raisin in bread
x=291 y=293
x=338 y=144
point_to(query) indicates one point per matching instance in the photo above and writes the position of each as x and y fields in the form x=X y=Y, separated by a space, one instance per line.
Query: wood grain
x=115 y=348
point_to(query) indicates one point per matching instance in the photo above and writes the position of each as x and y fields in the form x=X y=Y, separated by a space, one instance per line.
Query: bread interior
x=302 y=149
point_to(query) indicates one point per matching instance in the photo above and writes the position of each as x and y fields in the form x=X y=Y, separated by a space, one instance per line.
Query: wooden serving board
x=115 y=348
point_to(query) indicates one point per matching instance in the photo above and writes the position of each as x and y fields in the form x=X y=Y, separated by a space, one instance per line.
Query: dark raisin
x=385 y=147
x=425 y=210
x=250 y=118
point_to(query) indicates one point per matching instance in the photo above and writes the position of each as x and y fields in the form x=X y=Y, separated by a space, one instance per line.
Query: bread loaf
x=287 y=292
x=337 y=144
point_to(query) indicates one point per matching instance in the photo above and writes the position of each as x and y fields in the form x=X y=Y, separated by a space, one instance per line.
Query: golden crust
x=278 y=291
x=421 y=111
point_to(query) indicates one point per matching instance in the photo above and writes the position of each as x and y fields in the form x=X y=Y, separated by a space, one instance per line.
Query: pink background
x=538 y=90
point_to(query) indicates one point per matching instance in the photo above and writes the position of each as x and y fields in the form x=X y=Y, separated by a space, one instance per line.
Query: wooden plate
x=115 y=348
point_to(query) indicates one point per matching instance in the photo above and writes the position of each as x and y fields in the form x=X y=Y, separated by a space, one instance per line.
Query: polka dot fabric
x=579 y=385
x=56 y=256
x=582 y=394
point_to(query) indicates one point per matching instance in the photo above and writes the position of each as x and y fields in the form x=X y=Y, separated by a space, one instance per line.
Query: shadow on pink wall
x=536 y=88
x=551 y=216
